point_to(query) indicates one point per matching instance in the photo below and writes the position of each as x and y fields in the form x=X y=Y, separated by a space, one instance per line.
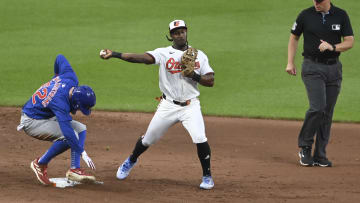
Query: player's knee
x=141 y=141
x=149 y=140
x=147 y=143
x=80 y=128
x=199 y=139
x=151 y=137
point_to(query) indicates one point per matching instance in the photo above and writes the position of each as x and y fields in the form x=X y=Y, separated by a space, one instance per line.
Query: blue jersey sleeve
x=63 y=68
x=61 y=108
x=70 y=136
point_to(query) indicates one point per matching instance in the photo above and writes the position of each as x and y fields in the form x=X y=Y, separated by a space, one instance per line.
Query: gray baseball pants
x=47 y=129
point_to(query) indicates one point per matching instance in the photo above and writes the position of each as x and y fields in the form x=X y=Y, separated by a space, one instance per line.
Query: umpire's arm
x=347 y=44
x=292 y=46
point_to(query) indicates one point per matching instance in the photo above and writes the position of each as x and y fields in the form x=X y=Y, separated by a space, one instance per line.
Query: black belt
x=187 y=102
x=326 y=61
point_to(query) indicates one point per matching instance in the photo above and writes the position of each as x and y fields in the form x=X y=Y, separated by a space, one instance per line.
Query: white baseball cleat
x=207 y=183
x=125 y=169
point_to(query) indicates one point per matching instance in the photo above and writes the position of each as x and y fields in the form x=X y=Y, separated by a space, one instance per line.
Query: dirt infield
x=252 y=161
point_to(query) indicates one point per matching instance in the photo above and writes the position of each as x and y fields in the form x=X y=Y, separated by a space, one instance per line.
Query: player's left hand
x=87 y=160
x=325 y=46
x=188 y=62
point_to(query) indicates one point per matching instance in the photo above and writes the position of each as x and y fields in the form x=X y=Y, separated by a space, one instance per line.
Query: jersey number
x=39 y=94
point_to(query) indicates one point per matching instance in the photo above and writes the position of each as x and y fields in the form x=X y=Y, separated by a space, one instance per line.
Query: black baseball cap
x=319 y=1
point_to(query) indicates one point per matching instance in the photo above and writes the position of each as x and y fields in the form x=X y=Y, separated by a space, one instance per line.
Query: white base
x=64 y=182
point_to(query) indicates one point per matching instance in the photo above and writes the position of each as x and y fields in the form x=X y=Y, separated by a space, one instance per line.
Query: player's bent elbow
x=208 y=80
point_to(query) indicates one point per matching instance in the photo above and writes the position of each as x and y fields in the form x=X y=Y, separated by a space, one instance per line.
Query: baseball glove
x=188 y=61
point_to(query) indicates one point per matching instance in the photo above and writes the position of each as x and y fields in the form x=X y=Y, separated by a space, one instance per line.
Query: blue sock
x=75 y=157
x=57 y=148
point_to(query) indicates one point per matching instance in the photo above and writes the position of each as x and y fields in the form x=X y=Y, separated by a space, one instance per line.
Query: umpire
x=323 y=26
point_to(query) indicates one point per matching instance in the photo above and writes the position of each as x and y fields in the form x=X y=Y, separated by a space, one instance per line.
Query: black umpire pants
x=323 y=83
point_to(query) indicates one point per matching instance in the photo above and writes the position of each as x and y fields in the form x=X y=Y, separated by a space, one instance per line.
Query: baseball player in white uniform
x=179 y=101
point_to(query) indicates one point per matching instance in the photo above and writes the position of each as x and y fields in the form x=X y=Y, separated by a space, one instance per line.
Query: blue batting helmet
x=83 y=98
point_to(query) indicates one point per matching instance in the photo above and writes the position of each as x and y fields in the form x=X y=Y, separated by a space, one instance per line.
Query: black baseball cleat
x=322 y=162
x=305 y=156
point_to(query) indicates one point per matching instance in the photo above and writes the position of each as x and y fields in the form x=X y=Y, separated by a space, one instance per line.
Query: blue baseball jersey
x=52 y=99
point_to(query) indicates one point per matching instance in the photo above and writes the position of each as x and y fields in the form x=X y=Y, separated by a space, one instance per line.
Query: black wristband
x=196 y=77
x=334 y=47
x=116 y=54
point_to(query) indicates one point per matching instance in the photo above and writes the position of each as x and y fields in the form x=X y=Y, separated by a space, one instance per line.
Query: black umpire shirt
x=329 y=27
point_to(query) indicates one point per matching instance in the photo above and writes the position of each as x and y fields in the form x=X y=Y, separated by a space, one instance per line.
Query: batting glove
x=87 y=160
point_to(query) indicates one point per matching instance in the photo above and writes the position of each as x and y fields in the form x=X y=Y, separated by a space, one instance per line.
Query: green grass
x=246 y=42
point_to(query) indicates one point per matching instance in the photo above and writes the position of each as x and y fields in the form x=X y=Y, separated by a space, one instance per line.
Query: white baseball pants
x=169 y=114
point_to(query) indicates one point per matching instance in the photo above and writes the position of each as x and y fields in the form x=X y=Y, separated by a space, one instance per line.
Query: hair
x=169 y=39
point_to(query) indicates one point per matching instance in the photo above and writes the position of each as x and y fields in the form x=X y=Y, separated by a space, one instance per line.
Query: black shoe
x=322 y=162
x=305 y=156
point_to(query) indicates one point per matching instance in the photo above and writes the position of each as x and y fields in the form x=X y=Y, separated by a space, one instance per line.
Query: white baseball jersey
x=171 y=82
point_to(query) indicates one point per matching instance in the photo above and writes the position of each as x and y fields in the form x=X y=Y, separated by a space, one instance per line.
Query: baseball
x=102 y=52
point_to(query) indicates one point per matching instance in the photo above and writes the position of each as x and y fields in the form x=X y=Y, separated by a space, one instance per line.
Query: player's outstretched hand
x=87 y=160
x=105 y=53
